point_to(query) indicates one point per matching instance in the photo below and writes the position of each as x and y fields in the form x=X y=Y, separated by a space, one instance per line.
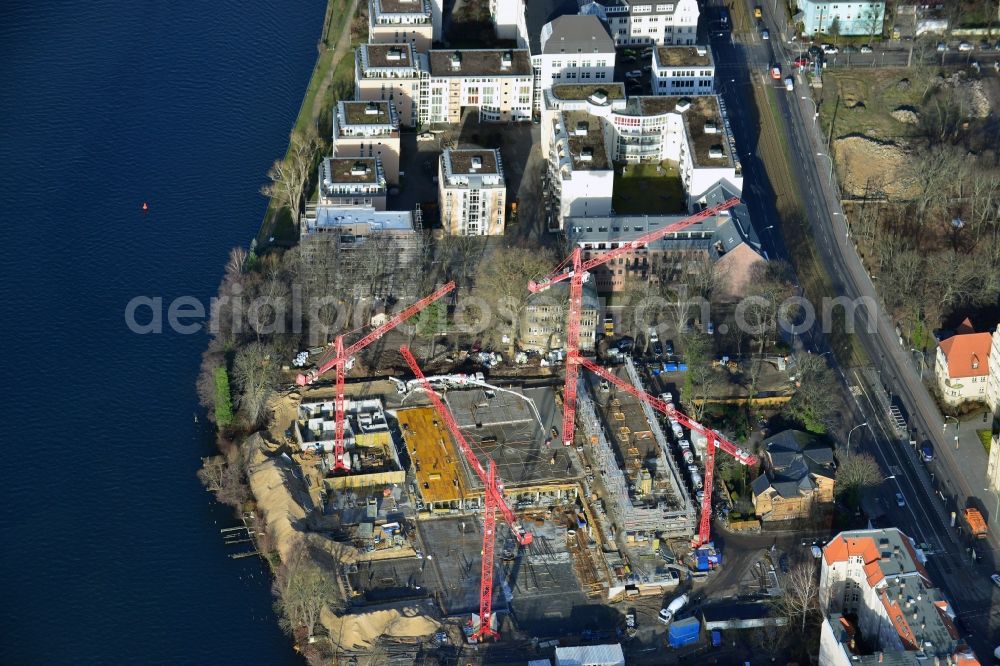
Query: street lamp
x=831 y=165
x=944 y=426
x=815 y=107
x=860 y=425
x=922 y=362
x=997 y=495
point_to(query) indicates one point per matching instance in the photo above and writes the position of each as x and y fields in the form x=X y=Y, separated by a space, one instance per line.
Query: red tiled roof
x=968 y=354
x=842 y=548
x=895 y=613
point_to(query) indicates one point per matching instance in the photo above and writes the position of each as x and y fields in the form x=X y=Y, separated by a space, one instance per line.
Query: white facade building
x=496 y=82
x=880 y=606
x=472 y=192
x=368 y=129
x=574 y=49
x=683 y=70
x=963 y=366
x=850 y=18
x=505 y=17
x=640 y=22
x=403 y=22
x=392 y=72
x=580 y=175
x=352 y=181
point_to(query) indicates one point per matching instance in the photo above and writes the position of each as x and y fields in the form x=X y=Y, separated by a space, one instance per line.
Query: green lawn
x=985 y=436
x=645 y=191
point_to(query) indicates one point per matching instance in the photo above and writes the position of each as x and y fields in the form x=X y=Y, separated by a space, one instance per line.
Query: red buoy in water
x=145 y=207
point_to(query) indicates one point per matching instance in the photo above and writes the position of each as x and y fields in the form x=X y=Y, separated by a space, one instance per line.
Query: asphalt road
x=924 y=516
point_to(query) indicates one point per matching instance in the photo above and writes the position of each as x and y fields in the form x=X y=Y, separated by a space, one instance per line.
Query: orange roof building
x=963 y=365
x=880 y=605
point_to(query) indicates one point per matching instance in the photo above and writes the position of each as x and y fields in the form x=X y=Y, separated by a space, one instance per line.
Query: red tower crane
x=713 y=437
x=577 y=267
x=493 y=496
x=341 y=355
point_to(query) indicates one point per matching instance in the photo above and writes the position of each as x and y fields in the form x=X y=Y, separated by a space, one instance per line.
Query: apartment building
x=413 y=22
x=683 y=70
x=573 y=49
x=368 y=129
x=728 y=240
x=472 y=192
x=391 y=72
x=543 y=324
x=646 y=23
x=495 y=82
x=993 y=383
x=694 y=132
x=352 y=181
x=846 y=17
x=880 y=606
x=580 y=177
x=376 y=252
x=962 y=365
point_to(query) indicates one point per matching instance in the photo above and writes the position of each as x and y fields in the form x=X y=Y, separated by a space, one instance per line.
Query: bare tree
x=503 y=286
x=800 y=597
x=302 y=589
x=812 y=404
x=770 y=287
x=771 y=640
x=255 y=374
x=225 y=478
x=854 y=474
x=701 y=379
x=290 y=176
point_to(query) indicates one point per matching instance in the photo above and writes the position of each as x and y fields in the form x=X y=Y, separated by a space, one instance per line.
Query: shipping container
x=684 y=632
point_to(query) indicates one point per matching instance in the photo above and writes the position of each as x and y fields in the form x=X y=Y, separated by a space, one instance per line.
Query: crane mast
x=576 y=272
x=341 y=355
x=714 y=439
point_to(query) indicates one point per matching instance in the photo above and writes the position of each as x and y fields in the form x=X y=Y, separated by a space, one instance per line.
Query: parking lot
x=630 y=60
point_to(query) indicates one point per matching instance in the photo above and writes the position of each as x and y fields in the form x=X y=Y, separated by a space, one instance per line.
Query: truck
x=667 y=613
x=758 y=12
x=684 y=632
x=976 y=522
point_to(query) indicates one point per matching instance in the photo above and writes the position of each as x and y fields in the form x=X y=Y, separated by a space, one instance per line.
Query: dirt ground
x=863 y=163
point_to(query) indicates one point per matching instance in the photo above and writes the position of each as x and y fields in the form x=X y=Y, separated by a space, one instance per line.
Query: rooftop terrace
x=387 y=55
x=480 y=62
x=683 y=56
x=472 y=161
x=402 y=6
x=586 y=141
x=368 y=113
x=355 y=170
x=575 y=91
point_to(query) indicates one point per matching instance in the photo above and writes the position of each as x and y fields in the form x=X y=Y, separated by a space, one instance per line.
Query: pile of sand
x=271 y=482
x=359 y=631
x=978 y=102
x=862 y=161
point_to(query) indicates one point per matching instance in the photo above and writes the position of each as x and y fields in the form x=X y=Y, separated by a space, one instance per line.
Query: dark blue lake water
x=111 y=550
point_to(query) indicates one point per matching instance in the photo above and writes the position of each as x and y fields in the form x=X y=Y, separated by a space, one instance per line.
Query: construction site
x=479 y=502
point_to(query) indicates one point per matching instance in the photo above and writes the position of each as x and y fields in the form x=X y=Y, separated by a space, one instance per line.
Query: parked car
x=996 y=579
x=789 y=83
x=815 y=50
x=776 y=72
x=634 y=74
x=658 y=348
x=850 y=49
x=865 y=48
x=965 y=47
x=942 y=47
x=802 y=62
x=900 y=502
x=669 y=347
x=425 y=136
x=830 y=49
x=985 y=46
x=765 y=34
x=783 y=563
x=625 y=343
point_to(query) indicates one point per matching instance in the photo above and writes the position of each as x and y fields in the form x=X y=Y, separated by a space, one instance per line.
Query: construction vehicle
x=668 y=612
x=494 y=501
x=575 y=269
x=342 y=357
x=977 y=524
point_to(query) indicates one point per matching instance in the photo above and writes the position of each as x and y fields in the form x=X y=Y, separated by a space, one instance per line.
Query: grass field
x=649 y=189
x=867 y=97
x=795 y=224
